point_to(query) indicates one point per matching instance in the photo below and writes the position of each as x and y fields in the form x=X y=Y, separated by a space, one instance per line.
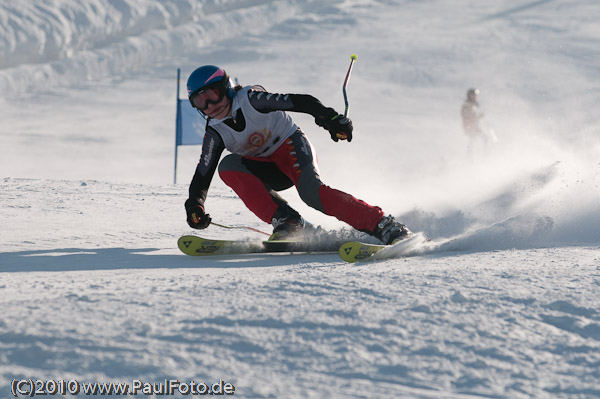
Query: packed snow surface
x=94 y=289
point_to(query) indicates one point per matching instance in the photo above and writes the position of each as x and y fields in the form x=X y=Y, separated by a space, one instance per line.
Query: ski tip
x=184 y=243
x=347 y=254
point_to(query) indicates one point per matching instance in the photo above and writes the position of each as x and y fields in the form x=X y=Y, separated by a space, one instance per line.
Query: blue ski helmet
x=208 y=76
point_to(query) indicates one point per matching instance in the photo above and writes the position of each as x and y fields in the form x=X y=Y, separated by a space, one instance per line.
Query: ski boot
x=286 y=224
x=389 y=231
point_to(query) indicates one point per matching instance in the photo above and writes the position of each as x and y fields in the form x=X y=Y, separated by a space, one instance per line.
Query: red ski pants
x=257 y=180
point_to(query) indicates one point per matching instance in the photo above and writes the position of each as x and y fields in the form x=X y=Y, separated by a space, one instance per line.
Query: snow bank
x=46 y=43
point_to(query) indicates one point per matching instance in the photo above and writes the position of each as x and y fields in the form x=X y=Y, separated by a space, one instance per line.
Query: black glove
x=196 y=217
x=340 y=127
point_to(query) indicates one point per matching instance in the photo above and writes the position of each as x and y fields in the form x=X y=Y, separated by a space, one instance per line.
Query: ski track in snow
x=503 y=302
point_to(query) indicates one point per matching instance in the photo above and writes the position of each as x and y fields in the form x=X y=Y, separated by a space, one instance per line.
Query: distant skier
x=471 y=113
x=270 y=153
x=471 y=119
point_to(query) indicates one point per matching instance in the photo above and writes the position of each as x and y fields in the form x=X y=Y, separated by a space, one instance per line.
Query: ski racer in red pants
x=269 y=153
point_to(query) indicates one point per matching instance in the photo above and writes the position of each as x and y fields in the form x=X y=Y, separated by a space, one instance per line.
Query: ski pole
x=353 y=57
x=352 y=60
x=240 y=227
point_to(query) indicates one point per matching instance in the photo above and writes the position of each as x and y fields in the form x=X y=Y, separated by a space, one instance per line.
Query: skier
x=269 y=153
x=471 y=119
x=471 y=114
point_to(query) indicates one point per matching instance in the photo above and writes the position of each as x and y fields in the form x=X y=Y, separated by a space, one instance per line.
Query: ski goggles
x=207 y=96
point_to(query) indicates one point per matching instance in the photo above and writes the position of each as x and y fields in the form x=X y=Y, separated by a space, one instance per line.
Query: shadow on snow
x=78 y=259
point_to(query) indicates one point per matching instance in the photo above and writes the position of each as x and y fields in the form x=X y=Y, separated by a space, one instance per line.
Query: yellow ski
x=198 y=246
x=354 y=251
x=415 y=244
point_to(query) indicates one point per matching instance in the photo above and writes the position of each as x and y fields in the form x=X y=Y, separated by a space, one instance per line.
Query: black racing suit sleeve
x=268 y=102
x=212 y=148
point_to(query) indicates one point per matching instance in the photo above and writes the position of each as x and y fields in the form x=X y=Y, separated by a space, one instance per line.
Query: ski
x=198 y=246
x=355 y=251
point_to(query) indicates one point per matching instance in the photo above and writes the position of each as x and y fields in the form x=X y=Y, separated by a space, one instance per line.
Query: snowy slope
x=92 y=285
